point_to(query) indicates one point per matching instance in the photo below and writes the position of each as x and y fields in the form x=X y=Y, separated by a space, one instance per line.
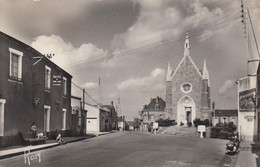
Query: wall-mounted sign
x=247 y=100
x=56 y=80
x=249 y=118
x=36 y=101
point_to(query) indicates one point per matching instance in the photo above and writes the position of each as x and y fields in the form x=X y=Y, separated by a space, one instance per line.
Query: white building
x=247 y=122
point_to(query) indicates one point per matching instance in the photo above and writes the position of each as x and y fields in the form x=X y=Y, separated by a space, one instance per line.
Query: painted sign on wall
x=247 y=100
x=56 y=80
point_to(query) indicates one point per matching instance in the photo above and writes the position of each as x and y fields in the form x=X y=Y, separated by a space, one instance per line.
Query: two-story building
x=32 y=90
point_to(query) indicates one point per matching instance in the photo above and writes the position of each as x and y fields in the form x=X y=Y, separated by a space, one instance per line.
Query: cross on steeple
x=187 y=45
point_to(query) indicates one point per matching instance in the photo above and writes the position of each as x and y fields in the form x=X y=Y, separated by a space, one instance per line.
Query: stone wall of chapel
x=186 y=73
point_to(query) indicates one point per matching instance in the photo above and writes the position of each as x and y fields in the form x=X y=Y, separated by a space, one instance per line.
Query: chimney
x=112 y=103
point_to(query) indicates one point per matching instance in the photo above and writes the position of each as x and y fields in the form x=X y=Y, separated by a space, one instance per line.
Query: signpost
x=201 y=129
x=155 y=127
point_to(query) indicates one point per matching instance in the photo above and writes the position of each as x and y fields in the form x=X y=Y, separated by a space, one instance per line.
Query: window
x=2 y=109
x=47 y=78
x=63 y=119
x=64 y=86
x=15 y=71
x=47 y=118
x=186 y=87
x=152 y=117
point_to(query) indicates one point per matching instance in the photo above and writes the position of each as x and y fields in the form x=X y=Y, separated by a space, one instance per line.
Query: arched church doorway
x=185 y=110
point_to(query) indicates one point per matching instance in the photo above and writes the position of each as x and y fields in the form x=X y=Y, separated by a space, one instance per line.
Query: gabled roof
x=181 y=62
x=156 y=104
x=225 y=112
x=31 y=49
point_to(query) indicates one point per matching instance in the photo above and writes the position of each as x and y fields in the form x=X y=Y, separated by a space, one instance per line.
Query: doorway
x=188 y=113
x=186 y=110
x=46 y=118
x=2 y=110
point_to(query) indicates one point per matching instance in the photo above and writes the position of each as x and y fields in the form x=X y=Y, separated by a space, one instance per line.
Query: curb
x=50 y=145
x=32 y=150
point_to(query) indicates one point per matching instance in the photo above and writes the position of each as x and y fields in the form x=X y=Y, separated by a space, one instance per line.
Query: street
x=133 y=149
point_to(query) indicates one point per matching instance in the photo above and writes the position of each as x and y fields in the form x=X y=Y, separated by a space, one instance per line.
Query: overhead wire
x=130 y=50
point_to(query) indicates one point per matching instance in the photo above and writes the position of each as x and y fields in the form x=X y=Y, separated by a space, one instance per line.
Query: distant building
x=225 y=116
x=113 y=116
x=187 y=90
x=152 y=111
x=98 y=119
x=32 y=89
x=78 y=117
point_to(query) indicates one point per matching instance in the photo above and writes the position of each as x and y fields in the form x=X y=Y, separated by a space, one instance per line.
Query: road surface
x=132 y=149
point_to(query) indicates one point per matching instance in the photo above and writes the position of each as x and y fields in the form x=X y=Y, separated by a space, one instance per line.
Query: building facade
x=32 y=90
x=187 y=90
x=113 y=116
x=78 y=117
x=225 y=116
x=247 y=108
x=98 y=119
x=151 y=112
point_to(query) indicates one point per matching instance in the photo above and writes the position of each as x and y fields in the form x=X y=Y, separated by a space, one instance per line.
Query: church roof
x=156 y=104
x=189 y=58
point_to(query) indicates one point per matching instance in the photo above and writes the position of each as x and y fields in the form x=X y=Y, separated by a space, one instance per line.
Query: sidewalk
x=248 y=155
x=18 y=150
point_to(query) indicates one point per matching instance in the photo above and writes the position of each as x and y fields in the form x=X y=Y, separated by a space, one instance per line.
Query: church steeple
x=187 y=45
x=205 y=74
x=169 y=73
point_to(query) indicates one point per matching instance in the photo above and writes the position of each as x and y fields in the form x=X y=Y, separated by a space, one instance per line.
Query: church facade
x=187 y=90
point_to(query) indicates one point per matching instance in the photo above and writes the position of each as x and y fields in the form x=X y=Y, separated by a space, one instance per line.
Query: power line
x=85 y=92
x=155 y=44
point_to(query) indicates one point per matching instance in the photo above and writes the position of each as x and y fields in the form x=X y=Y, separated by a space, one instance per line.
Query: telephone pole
x=83 y=111
x=100 y=91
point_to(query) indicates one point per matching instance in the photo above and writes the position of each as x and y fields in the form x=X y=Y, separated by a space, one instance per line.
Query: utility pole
x=83 y=111
x=100 y=90
x=119 y=106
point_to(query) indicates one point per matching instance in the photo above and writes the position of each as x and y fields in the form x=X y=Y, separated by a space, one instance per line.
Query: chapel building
x=187 y=90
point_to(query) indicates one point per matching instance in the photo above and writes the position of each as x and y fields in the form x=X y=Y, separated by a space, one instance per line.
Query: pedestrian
x=59 y=139
x=33 y=128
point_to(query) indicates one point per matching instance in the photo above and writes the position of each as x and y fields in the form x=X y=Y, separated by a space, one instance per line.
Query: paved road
x=132 y=149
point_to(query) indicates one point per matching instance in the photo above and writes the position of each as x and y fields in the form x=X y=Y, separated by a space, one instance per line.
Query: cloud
x=66 y=55
x=226 y=87
x=164 y=19
x=153 y=82
x=90 y=85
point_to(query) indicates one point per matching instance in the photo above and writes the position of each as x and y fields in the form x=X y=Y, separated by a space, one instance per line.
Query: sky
x=128 y=44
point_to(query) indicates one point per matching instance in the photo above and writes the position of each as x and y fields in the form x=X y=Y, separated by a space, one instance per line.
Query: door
x=46 y=118
x=2 y=110
x=188 y=114
x=92 y=125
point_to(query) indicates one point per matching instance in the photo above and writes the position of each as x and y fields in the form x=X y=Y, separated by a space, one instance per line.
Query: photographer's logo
x=28 y=156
